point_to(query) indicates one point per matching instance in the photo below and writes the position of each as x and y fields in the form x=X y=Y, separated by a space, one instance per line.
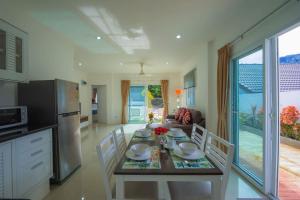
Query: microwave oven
x=13 y=116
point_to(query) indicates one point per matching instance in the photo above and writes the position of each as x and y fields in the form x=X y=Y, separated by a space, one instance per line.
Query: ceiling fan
x=142 y=73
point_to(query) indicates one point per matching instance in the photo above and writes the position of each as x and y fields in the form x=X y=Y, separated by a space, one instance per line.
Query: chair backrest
x=107 y=155
x=220 y=152
x=199 y=136
x=120 y=141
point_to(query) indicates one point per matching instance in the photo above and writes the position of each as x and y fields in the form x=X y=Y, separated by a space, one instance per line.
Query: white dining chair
x=120 y=139
x=221 y=158
x=107 y=155
x=199 y=136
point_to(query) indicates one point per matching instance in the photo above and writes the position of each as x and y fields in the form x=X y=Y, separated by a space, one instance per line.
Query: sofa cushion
x=182 y=112
x=187 y=118
x=177 y=113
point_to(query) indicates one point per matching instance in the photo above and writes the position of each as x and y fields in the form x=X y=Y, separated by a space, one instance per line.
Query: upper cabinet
x=13 y=53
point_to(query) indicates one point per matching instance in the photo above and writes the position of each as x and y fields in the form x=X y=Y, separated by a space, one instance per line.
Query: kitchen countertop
x=20 y=131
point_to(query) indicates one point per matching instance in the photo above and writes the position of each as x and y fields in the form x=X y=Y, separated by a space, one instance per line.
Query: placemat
x=180 y=139
x=180 y=163
x=141 y=139
x=152 y=163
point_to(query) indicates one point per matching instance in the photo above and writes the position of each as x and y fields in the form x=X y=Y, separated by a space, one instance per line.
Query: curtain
x=125 y=87
x=165 y=96
x=222 y=90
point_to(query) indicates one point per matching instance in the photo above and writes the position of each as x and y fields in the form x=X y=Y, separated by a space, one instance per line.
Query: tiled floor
x=289 y=173
x=85 y=183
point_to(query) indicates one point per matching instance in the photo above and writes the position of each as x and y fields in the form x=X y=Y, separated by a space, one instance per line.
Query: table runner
x=180 y=163
x=152 y=163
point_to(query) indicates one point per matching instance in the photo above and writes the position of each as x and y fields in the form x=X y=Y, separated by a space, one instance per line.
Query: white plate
x=145 y=156
x=139 y=133
x=176 y=134
x=167 y=147
x=194 y=156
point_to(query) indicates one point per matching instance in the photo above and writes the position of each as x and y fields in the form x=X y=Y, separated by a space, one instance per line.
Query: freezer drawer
x=69 y=144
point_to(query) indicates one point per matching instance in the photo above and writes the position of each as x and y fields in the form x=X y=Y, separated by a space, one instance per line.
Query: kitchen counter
x=16 y=132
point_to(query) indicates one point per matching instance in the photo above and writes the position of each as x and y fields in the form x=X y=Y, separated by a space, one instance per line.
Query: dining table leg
x=120 y=188
x=216 y=189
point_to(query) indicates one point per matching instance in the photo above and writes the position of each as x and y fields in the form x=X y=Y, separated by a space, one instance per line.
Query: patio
x=289 y=172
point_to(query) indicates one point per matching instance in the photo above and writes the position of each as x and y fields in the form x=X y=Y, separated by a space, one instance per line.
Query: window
x=190 y=88
x=2 y=49
x=190 y=96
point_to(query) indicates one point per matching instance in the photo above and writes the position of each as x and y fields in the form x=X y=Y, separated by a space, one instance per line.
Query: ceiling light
x=178 y=36
x=121 y=63
x=167 y=63
x=98 y=38
x=79 y=64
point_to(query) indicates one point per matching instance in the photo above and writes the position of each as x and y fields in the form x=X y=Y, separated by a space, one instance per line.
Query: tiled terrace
x=289 y=173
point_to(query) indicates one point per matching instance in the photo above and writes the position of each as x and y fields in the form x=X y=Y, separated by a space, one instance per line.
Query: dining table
x=164 y=166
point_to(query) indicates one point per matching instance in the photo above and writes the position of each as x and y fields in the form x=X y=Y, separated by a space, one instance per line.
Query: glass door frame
x=233 y=114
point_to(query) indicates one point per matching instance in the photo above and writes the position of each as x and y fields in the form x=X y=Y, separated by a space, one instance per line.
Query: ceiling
x=135 y=31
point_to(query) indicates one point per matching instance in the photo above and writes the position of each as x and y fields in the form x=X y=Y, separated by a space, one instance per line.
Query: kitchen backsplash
x=8 y=93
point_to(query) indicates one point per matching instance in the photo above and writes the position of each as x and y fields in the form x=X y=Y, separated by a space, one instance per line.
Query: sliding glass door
x=248 y=114
x=136 y=104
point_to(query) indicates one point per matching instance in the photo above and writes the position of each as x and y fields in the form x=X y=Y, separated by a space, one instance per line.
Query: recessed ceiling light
x=98 y=38
x=178 y=36
x=79 y=64
x=121 y=63
x=167 y=63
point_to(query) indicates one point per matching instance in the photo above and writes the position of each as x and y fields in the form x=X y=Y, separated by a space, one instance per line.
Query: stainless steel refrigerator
x=56 y=102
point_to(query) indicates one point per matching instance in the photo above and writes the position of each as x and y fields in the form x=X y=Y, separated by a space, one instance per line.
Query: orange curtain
x=125 y=86
x=222 y=90
x=165 y=96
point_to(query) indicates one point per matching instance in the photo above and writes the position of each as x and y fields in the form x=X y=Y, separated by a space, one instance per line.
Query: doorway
x=288 y=54
x=143 y=100
x=99 y=104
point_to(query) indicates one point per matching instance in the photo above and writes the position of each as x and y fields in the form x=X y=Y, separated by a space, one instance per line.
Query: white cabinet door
x=5 y=170
x=13 y=53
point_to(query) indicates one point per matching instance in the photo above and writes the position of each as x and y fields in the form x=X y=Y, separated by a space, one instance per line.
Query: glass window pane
x=19 y=55
x=136 y=104
x=2 y=49
x=248 y=123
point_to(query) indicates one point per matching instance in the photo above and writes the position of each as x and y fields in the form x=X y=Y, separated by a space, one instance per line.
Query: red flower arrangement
x=289 y=115
x=160 y=130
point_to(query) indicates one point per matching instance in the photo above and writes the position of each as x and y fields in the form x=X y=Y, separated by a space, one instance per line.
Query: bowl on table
x=187 y=148
x=139 y=149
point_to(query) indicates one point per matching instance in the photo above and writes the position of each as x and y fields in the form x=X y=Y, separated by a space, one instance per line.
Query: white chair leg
x=216 y=189
x=120 y=188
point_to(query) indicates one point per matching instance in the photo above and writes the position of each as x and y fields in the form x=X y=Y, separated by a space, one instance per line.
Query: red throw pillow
x=187 y=118
x=177 y=113
x=183 y=111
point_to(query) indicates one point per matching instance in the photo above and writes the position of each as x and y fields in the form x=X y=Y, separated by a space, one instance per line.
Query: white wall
x=50 y=54
x=290 y=98
x=113 y=84
x=281 y=20
x=199 y=61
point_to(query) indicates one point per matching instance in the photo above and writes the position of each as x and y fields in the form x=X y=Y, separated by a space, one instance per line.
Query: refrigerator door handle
x=69 y=114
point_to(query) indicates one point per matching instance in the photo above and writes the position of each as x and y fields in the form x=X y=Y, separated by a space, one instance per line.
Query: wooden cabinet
x=26 y=166
x=5 y=170
x=13 y=53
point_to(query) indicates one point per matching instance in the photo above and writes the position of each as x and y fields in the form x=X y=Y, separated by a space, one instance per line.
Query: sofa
x=196 y=117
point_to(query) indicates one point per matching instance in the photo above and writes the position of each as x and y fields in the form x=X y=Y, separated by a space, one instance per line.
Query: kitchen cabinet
x=5 y=170
x=26 y=166
x=13 y=53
